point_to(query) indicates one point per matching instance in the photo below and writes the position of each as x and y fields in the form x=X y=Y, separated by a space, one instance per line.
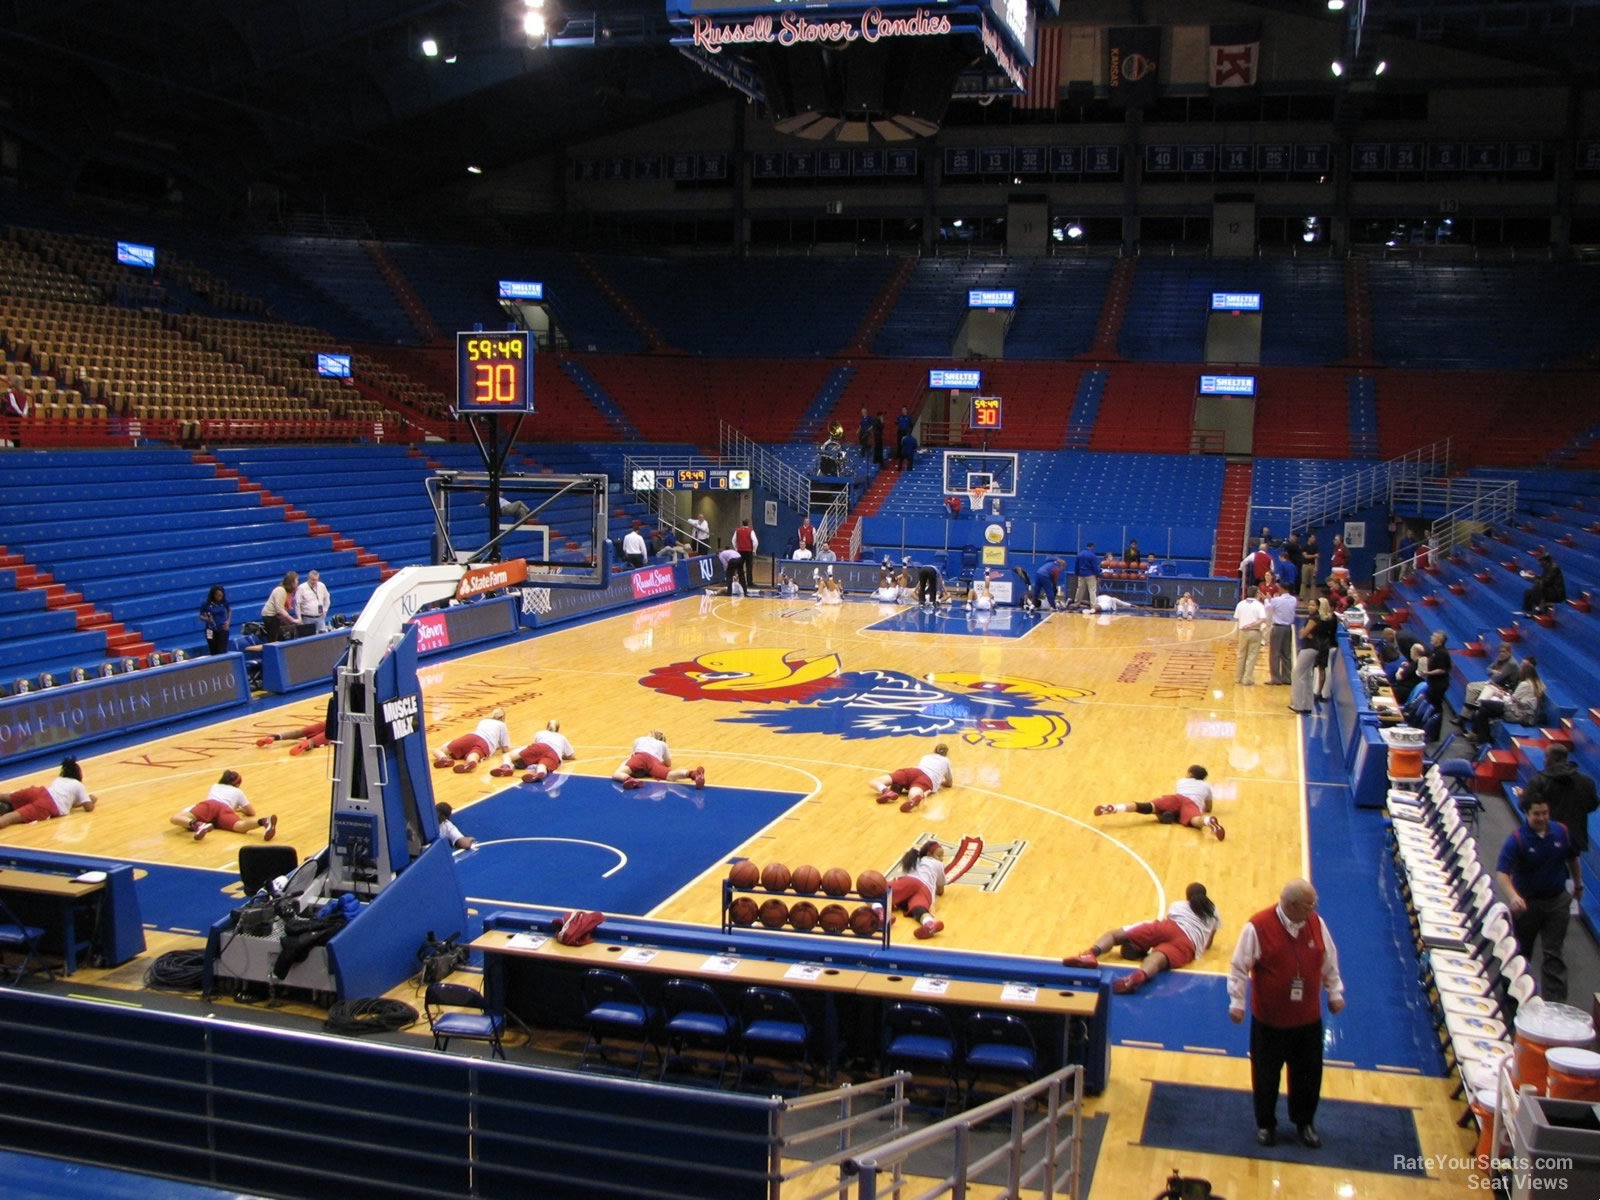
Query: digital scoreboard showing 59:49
x=494 y=372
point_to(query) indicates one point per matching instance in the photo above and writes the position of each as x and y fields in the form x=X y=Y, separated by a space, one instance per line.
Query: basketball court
x=792 y=707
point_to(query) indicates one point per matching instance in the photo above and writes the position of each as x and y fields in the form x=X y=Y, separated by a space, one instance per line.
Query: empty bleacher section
x=1505 y=418
x=1058 y=305
x=1302 y=306
x=344 y=273
x=459 y=285
x=759 y=307
x=1146 y=408
x=877 y=385
x=1276 y=481
x=1302 y=412
x=1478 y=314
x=1038 y=402
x=1085 y=409
x=283 y=355
x=673 y=399
x=1167 y=502
x=1363 y=400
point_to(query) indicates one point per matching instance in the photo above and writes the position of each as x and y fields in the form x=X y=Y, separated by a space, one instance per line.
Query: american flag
x=1044 y=81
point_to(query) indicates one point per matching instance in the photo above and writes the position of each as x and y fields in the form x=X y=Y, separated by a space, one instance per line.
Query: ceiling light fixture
x=430 y=48
x=1338 y=67
x=474 y=170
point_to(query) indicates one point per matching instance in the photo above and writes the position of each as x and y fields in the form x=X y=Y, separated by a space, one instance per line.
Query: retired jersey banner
x=1133 y=54
x=1235 y=64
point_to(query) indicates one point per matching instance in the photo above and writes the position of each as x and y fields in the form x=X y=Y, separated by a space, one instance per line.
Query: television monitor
x=131 y=254
x=961 y=381
x=1227 y=385
x=333 y=366
x=1236 y=302
x=521 y=289
x=991 y=298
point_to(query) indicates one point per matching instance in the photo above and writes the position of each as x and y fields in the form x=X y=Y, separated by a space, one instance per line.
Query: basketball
x=775 y=877
x=774 y=913
x=836 y=881
x=744 y=874
x=834 y=918
x=803 y=915
x=864 y=921
x=742 y=911
x=871 y=884
x=806 y=880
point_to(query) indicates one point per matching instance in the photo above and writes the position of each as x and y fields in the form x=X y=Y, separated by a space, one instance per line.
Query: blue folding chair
x=696 y=1018
x=613 y=1007
x=999 y=1044
x=480 y=1025
x=23 y=938
x=773 y=1025
x=918 y=1037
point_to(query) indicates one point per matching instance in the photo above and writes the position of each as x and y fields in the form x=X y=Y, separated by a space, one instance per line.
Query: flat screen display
x=1235 y=301
x=521 y=289
x=991 y=298
x=333 y=366
x=131 y=254
x=965 y=381
x=1227 y=385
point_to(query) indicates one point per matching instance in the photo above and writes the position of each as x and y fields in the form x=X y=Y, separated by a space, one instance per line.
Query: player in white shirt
x=448 y=833
x=652 y=760
x=931 y=773
x=540 y=757
x=1186 y=608
x=225 y=807
x=1188 y=804
x=55 y=799
x=468 y=750
x=920 y=880
x=1187 y=933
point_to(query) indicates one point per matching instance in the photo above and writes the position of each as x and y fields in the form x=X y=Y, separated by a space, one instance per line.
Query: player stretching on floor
x=930 y=774
x=652 y=760
x=468 y=750
x=307 y=737
x=1191 y=805
x=55 y=799
x=913 y=891
x=1164 y=945
x=541 y=756
x=225 y=807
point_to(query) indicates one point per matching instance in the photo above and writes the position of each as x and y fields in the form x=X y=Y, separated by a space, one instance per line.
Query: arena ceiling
x=336 y=97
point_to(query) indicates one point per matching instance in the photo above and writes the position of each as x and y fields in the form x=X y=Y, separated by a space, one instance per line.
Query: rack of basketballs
x=823 y=904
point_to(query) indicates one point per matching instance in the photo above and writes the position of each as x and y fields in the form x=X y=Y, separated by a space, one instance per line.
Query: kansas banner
x=1133 y=55
x=1235 y=64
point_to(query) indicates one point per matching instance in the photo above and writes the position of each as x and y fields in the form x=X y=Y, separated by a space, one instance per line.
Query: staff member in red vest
x=1285 y=957
x=746 y=543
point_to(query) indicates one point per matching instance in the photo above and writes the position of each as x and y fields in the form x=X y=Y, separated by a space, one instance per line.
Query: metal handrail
x=1050 y=1175
x=1489 y=502
x=844 y=1129
x=652 y=498
x=1350 y=492
x=789 y=485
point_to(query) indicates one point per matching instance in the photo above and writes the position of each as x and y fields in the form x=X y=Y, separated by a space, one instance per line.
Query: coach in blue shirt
x=1087 y=568
x=1536 y=865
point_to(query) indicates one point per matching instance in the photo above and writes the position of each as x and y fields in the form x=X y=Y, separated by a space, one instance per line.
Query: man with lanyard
x=1537 y=865
x=312 y=601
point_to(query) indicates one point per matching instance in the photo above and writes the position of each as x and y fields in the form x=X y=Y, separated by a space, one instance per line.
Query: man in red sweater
x=1285 y=958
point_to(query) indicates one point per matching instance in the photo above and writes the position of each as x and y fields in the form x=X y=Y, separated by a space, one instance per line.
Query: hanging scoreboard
x=494 y=372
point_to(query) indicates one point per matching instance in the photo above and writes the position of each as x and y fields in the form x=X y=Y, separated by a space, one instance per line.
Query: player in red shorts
x=652 y=760
x=920 y=880
x=540 y=758
x=307 y=737
x=55 y=799
x=468 y=750
x=1189 y=805
x=931 y=773
x=1166 y=945
x=225 y=807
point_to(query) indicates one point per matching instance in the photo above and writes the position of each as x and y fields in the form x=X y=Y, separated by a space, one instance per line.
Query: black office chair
x=613 y=1007
x=918 y=1038
x=999 y=1044
x=260 y=865
x=696 y=1018
x=24 y=938
x=480 y=1025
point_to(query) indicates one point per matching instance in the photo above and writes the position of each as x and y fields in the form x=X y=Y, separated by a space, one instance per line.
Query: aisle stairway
x=1232 y=513
x=876 y=493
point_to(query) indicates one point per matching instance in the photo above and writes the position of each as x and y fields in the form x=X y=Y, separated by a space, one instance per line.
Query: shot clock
x=494 y=372
x=985 y=413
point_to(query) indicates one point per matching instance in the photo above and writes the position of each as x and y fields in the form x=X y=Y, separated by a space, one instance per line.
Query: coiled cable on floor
x=176 y=971
x=369 y=1016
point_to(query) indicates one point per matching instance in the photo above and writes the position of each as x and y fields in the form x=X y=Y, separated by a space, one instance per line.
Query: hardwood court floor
x=1076 y=711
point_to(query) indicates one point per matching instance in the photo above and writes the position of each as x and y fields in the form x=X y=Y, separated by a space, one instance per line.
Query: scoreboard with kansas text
x=494 y=372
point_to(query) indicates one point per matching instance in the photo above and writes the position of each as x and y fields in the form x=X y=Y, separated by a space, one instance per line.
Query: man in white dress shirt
x=312 y=601
x=1250 y=618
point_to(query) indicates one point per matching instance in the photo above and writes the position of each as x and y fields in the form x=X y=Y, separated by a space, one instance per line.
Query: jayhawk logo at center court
x=812 y=693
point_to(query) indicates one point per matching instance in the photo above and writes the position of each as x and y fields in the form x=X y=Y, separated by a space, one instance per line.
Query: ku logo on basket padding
x=801 y=692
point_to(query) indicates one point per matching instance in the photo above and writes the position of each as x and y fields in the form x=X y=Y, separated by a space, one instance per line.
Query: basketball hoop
x=975 y=498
